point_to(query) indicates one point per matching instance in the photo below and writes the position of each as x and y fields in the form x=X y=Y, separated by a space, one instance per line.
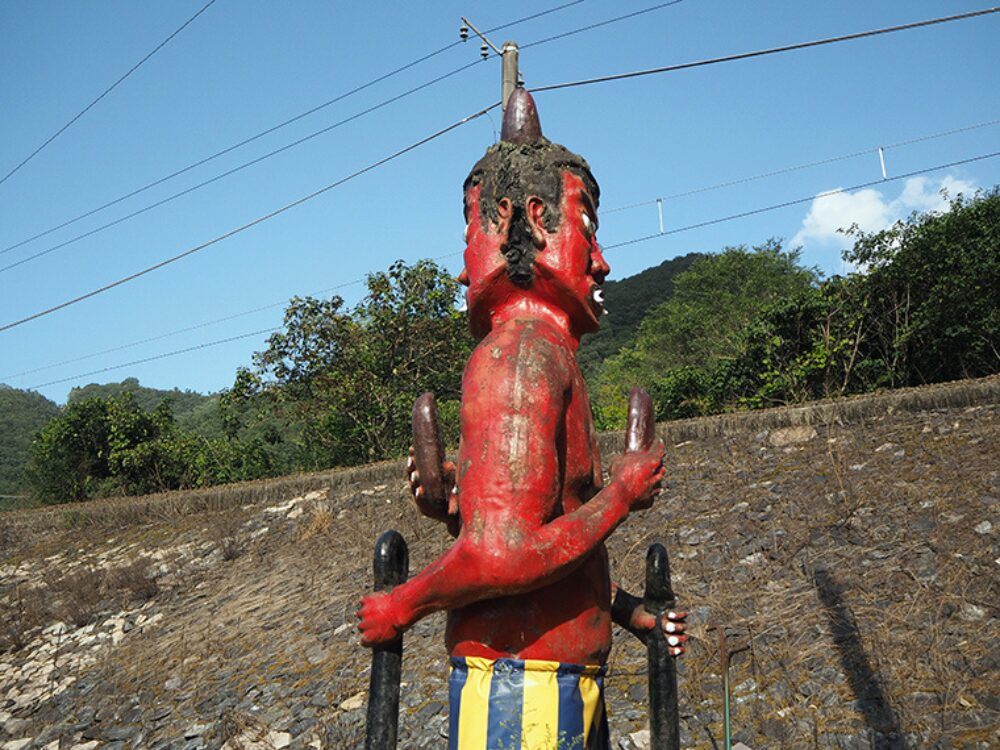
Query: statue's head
x=531 y=221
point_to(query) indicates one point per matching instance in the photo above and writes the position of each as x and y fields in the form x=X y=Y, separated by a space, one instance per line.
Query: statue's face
x=568 y=267
x=485 y=271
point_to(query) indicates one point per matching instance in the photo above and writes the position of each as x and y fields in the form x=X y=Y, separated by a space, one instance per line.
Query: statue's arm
x=509 y=487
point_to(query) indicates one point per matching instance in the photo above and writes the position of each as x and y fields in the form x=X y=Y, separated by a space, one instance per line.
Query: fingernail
x=671 y=628
x=673 y=640
x=671 y=615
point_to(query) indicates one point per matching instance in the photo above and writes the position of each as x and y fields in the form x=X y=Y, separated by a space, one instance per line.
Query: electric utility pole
x=510 y=75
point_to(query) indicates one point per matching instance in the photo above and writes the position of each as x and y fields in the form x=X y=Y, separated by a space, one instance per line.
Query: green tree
x=349 y=378
x=69 y=458
x=931 y=285
x=112 y=446
x=803 y=347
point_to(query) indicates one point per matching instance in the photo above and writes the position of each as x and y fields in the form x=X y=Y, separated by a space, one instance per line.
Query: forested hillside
x=628 y=300
x=22 y=414
x=193 y=411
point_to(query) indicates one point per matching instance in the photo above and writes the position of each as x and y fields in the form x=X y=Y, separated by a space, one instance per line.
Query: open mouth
x=597 y=297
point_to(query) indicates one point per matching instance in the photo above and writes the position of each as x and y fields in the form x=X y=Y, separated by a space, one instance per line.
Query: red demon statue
x=526 y=583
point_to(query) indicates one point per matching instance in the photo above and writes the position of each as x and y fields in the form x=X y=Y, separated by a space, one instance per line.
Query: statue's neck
x=532 y=308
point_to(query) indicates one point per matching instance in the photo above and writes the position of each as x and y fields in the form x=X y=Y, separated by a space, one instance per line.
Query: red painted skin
x=528 y=576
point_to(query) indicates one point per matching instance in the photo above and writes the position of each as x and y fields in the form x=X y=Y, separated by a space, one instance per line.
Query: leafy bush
x=682 y=392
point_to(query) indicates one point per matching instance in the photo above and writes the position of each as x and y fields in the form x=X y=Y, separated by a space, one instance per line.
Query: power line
x=636 y=240
x=769 y=51
x=183 y=330
x=275 y=152
x=784 y=170
x=532 y=17
x=234 y=170
x=599 y=24
x=298 y=142
x=798 y=201
x=672 y=196
x=107 y=91
x=188 y=329
x=157 y=356
x=255 y=222
x=797 y=167
x=284 y=123
x=160 y=337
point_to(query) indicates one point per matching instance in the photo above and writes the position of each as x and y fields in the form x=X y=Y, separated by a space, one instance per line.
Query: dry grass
x=225 y=529
x=23 y=613
x=854 y=575
x=21 y=527
x=238 y=730
x=73 y=597
x=131 y=581
x=320 y=524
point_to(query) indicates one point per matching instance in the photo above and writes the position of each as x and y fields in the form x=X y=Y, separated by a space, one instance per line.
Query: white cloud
x=922 y=194
x=871 y=211
x=830 y=212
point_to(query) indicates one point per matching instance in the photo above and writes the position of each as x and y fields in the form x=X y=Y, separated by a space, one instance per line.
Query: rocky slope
x=858 y=561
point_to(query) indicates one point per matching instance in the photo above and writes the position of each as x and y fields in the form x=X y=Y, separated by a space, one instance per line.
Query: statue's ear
x=505 y=211
x=534 y=213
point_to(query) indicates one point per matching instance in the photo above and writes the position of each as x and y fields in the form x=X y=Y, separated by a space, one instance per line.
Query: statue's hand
x=674 y=625
x=641 y=473
x=378 y=616
x=425 y=505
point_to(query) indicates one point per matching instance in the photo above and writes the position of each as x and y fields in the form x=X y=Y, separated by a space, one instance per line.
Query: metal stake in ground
x=725 y=657
x=664 y=724
x=392 y=564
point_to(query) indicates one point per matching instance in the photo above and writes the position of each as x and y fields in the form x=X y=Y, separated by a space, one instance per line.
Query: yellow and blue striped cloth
x=525 y=704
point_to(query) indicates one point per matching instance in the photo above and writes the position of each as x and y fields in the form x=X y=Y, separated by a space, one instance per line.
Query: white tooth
x=598 y=296
x=586 y=221
x=466 y=235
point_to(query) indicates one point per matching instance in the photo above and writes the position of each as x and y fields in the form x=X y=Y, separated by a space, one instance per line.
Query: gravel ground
x=858 y=563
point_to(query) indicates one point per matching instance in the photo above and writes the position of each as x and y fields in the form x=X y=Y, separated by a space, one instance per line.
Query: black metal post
x=664 y=726
x=392 y=563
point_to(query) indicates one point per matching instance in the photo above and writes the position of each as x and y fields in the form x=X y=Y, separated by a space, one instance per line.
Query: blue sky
x=242 y=67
